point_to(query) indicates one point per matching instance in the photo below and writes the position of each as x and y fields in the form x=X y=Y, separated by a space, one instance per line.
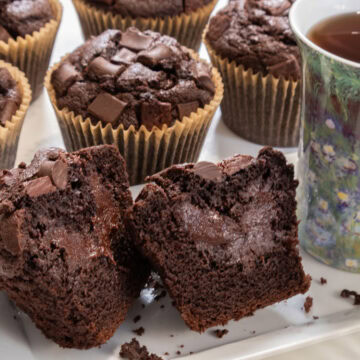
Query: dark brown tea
x=339 y=35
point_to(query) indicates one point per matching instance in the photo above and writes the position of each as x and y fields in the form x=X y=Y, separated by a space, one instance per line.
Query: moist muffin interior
x=149 y=8
x=65 y=257
x=222 y=237
x=10 y=96
x=132 y=78
x=22 y=17
x=257 y=35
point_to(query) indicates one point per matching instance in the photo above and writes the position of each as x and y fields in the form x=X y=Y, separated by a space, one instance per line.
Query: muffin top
x=149 y=8
x=257 y=35
x=10 y=96
x=132 y=78
x=22 y=17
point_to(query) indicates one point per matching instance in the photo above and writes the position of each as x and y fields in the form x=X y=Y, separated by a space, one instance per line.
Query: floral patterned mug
x=329 y=151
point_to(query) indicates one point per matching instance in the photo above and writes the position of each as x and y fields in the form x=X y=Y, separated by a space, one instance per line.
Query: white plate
x=274 y=329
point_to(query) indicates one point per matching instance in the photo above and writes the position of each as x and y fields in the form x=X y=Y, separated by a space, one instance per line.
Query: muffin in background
x=184 y=20
x=252 y=45
x=28 y=30
x=141 y=91
x=15 y=97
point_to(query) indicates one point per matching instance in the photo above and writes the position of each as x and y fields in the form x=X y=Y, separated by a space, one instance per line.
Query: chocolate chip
x=187 y=108
x=38 y=187
x=124 y=56
x=134 y=40
x=208 y=171
x=153 y=56
x=53 y=155
x=107 y=108
x=100 y=67
x=60 y=174
x=288 y=66
x=10 y=232
x=237 y=163
x=57 y=171
x=4 y=35
x=155 y=114
x=7 y=113
x=203 y=77
x=64 y=76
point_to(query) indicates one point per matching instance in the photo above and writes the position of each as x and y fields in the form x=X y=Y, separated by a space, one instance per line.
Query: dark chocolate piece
x=124 y=56
x=40 y=186
x=187 y=108
x=64 y=76
x=9 y=110
x=107 y=108
x=208 y=171
x=4 y=35
x=153 y=56
x=134 y=40
x=100 y=67
x=155 y=114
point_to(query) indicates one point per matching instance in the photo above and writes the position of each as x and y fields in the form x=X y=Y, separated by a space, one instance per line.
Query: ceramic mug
x=329 y=151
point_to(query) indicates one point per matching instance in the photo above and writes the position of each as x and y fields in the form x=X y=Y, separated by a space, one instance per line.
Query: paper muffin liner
x=262 y=109
x=145 y=152
x=10 y=133
x=31 y=54
x=186 y=28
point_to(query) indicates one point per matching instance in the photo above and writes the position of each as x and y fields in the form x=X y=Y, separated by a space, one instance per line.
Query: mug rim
x=308 y=42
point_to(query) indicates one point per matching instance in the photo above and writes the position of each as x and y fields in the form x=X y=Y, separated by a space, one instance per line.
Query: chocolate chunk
x=40 y=186
x=60 y=175
x=100 y=67
x=208 y=171
x=107 y=108
x=155 y=114
x=134 y=40
x=153 y=56
x=57 y=171
x=288 y=66
x=9 y=110
x=187 y=108
x=237 y=163
x=64 y=76
x=124 y=56
x=203 y=78
x=4 y=35
x=10 y=232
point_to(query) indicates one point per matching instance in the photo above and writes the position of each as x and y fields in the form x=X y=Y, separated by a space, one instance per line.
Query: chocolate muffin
x=248 y=41
x=149 y=8
x=10 y=96
x=27 y=33
x=257 y=35
x=132 y=78
x=222 y=237
x=65 y=257
x=22 y=17
x=136 y=81
x=15 y=97
x=183 y=19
